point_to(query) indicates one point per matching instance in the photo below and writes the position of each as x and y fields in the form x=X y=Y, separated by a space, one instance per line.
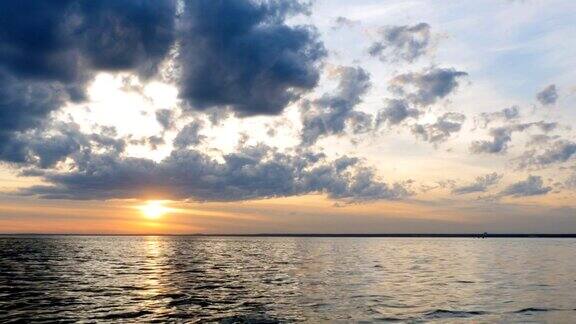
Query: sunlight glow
x=154 y=209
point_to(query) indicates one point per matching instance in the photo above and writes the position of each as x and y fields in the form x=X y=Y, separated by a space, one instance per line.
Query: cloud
x=329 y=114
x=254 y=172
x=402 y=43
x=395 y=112
x=45 y=147
x=235 y=53
x=58 y=40
x=570 y=183
x=481 y=184
x=341 y=22
x=560 y=151
x=428 y=86
x=548 y=96
x=49 y=50
x=532 y=186
x=501 y=136
x=166 y=118
x=126 y=35
x=242 y=54
x=38 y=41
x=24 y=105
x=189 y=135
x=440 y=130
x=155 y=141
x=505 y=115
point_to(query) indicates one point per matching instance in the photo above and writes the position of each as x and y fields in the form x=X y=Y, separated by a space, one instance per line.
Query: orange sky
x=307 y=214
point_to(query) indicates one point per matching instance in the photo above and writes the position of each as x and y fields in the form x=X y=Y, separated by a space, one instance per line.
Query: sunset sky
x=330 y=116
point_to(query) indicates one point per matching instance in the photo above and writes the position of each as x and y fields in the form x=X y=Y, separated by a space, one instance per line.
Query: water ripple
x=280 y=280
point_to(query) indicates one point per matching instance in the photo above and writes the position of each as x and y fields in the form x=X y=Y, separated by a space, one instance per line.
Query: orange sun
x=154 y=209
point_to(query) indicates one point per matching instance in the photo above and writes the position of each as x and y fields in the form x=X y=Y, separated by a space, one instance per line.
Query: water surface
x=235 y=280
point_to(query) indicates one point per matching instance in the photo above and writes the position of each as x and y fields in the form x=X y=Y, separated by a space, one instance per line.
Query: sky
x=249 y=116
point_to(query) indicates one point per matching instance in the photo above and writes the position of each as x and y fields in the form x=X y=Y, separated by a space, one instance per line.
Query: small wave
x=465 y=281
x=390 y=319
x=189 y=301
x=444 y=313
x=130 y=288
x=255 y=318
x=170 y=295
x=209 y=287
x=534 y=310
x=126 y=315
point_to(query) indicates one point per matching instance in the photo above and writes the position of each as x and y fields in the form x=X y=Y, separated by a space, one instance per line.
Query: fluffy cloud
x=440 y=130
x=241 y=54
x=501 y=136
x=480 y=184
x=254 y=172
x=189 y=135
x=45 y=147
x=406 y=43
x=329 y=114
x=428 y=86
x=558 y=152
x=532 y=186
x=395 y=112
x=548 y=95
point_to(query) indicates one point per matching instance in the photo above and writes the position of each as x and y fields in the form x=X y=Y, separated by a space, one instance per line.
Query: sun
x=153 y=209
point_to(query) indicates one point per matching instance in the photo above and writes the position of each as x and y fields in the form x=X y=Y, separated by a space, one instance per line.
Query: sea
x=195 y=279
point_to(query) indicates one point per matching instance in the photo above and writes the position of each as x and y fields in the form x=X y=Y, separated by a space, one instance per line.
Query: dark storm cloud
x=532 y=186
x=58 y=40
x=395 y=112
x=480 y=184
x=440 y=130
x=428 y=86
x=49 y=49
x=24 y=105
x=329 y=114
x=548 y=95
x=242 y=54
x=254 y=172
x=38 y=40
x=406 y=43
x=502 y=136
x=126 y=34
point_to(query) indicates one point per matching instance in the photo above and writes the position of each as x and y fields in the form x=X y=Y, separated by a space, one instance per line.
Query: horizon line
x=328 y=235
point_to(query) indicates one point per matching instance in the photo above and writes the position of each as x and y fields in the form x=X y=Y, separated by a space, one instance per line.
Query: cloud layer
x=254 y=172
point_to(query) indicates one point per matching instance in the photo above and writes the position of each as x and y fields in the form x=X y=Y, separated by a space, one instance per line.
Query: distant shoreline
x=392 y=235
